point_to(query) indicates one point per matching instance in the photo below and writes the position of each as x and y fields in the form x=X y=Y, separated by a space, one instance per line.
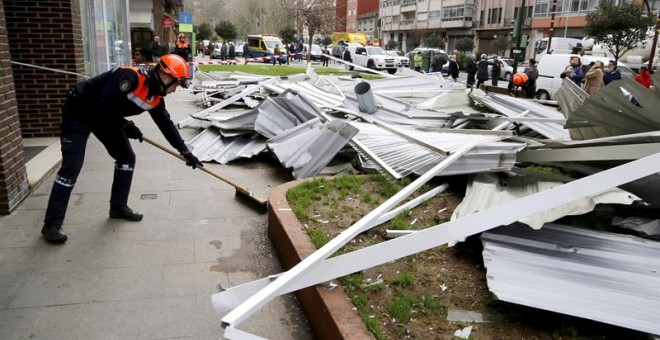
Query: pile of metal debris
x=426 y=126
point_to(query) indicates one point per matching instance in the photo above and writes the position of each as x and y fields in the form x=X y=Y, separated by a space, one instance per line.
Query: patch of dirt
x=422 y=287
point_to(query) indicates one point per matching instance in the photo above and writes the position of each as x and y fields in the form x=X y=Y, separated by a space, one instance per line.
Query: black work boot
x=124 y=212
x=53 y=233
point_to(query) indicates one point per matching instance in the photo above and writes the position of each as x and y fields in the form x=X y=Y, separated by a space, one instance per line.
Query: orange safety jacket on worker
x=182 y=49
x=124 y=92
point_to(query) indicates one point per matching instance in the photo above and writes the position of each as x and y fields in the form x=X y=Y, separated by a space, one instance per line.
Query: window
x=495 y=15
x=459 y=12
x=422 y=16
x=434 y=15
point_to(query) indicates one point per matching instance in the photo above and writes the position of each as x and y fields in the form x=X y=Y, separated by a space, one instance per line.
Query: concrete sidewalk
x=151 y=279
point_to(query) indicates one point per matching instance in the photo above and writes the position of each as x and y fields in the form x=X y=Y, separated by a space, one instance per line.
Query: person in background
x=346 y=55
x=223 y=51
x=532 y=75
x=612 y=73
x=417 y=61
x=210 y=48
x=482 y=73
x=644 y=77
x=182 y=47
x=471 y=70
x=496 y=71
x=518 y=81
x=577 y=73
x=292 y=51
x=594 y=78
x=325 y=58
x=437 y=62
x=156 y=49
x=277 y=58
x=453 y=68
x=246 y=53
x=232 y=51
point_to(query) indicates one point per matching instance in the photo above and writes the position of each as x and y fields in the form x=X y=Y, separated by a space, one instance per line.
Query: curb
x=329 y=312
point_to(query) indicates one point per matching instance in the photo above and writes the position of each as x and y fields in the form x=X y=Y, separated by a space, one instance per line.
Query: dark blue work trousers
x=76 y=128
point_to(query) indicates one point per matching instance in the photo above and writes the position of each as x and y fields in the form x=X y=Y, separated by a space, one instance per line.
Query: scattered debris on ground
x=508 y=151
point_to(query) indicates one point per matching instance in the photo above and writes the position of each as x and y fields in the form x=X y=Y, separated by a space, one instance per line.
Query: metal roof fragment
x=209 y=146
x=600 y=276
x=310 y=146
x=514 y=107
x=485 y=191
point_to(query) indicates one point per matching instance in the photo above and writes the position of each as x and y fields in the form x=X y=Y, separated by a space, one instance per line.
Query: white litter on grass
x=285 y=209
x=443 y=287
x=442 y=210
x=463 y=333
x=413 y=222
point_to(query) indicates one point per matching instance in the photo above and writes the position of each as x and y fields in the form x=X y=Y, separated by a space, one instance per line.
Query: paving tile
x=22 y=218
x=10 y=286
x=55 y=288
x=190 y=279
x=19 y=323
x=128 y=284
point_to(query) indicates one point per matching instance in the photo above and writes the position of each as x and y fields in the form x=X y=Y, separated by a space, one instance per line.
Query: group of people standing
x=595 y=76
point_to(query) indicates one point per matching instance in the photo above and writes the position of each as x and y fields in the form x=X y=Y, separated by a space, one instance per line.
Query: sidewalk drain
x=148 y=196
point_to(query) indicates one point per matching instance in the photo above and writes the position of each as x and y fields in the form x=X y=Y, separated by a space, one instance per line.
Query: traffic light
x=524 y=40
x=516 y=28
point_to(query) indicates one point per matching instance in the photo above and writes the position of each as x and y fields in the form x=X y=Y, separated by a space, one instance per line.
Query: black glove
x=191 y=160
x=131 y=131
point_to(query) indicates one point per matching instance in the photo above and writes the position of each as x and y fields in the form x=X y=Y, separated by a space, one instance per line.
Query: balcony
x=408 y=6
x=407 y=24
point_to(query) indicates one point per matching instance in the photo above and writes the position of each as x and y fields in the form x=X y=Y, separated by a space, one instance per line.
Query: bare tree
x=313 y=15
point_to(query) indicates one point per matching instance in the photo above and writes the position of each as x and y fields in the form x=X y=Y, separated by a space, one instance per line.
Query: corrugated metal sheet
x=595 y=275
x=610 y=112
x=487 y=190
x=321 y=98
x=514 y=107
x=400 y=157
x=309 y=147
x=284 y=112
x=209 y=146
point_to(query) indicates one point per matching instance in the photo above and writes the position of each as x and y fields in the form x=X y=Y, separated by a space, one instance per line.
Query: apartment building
x=494 y=20
x=351 y=15
x=367 y=20
x=409 y=22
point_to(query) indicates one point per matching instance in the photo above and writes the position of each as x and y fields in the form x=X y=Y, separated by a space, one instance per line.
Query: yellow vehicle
x=264 y=45
x=359 y=38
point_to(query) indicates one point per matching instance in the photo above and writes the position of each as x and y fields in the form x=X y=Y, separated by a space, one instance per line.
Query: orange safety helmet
x=520 y=79
x=176 y=67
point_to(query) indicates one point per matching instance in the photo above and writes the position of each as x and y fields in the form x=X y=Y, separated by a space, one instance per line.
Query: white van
x=551 y=66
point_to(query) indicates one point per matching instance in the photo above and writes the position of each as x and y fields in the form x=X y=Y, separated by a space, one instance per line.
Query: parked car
x=239 y=49
x=216 y=51
x=507 y=68
x=316 y=52
x=401 y=58
x=373 y=57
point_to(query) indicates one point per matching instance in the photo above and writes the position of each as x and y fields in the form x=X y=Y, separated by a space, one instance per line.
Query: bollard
x=365 y=97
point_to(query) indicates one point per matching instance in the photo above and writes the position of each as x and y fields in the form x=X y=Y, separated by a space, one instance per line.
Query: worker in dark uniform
x=98 y=106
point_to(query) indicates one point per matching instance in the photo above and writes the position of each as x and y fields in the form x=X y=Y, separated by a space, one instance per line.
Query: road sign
x=185 y=18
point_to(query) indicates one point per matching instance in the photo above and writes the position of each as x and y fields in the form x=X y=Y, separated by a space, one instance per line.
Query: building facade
x=494 y=21
x=410 y=22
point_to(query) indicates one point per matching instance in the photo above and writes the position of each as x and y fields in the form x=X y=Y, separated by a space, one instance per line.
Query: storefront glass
x=106 y=40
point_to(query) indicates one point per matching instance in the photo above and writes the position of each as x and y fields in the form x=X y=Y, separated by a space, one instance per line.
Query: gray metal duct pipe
x=365 y=97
